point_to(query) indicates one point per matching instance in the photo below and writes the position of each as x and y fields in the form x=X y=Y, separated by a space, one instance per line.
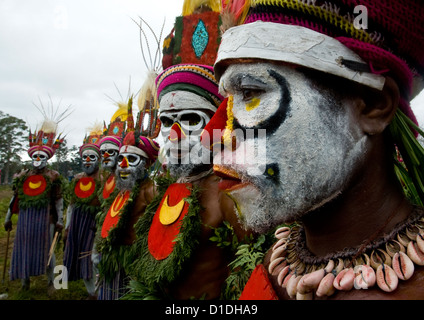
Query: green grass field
x=38 y=287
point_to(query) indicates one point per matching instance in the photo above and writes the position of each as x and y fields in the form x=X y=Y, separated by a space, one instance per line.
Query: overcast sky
x=77 y=51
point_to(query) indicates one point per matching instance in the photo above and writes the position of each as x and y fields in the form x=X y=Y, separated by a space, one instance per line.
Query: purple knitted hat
x=198 y=79
x=390 y=43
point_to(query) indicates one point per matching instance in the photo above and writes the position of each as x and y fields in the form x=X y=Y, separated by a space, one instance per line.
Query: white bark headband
x=292 y=44
x=134 y=150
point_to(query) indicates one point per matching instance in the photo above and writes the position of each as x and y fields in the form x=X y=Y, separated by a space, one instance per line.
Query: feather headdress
x=91 y=141
x=45 y=138
x=147 y=119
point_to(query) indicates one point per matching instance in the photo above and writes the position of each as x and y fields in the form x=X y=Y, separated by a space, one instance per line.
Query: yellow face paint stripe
x=240 y=214
x=230 y=122
x=253 y=104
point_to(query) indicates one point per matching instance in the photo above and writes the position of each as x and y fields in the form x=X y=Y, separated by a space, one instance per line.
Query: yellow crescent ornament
x=169 y=215
x=33 y=185
x=85 y=187
x=109 y=184
x=117 y=205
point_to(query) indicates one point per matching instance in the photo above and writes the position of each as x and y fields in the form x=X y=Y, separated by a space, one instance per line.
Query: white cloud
x=75 y=51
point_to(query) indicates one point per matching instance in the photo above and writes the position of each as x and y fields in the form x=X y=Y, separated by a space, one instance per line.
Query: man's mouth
x=124 y=175
x=230 y=180
x=178 y=153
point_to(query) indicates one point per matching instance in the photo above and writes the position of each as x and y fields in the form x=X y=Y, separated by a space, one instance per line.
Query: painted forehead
x=107 y=146
x=89 y=153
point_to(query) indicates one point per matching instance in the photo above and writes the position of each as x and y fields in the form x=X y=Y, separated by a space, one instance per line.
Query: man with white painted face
x=178 y=259
x=190 y=198
x=110 y=144
x=38 y=201
x=334 y=101
x=117 y=233
x=81 y=213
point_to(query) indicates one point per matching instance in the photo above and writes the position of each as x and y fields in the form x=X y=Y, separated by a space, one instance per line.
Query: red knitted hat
x=388 y=38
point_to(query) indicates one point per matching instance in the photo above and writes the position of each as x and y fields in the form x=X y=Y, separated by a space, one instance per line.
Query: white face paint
x=313 y=144
x=131 y=168
x=90 y=161
x=109 y=152
x=183 y=117
x=39 y=159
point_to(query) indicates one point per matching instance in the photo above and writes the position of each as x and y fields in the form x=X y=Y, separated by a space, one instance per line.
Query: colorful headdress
x=147 y=118
x=197 y=79
x=196 y=34
x=363 y=41
x=91 y=142
x=389 y=44
x=112 y=134
x=189 y=53
x=134 y=142
x=45 y=139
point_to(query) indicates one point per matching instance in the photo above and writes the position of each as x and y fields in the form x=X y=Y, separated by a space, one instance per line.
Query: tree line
x=14 y=145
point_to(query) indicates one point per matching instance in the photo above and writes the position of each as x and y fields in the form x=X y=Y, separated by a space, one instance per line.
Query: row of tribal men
x=343 y=168
x=128 y=217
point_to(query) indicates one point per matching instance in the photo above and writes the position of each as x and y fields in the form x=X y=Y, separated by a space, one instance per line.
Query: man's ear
x=377 y=108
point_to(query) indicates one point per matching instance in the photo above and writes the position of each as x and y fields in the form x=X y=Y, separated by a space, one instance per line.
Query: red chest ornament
x=34 y=185
x=259 y=286
x=114 y=213
x=166 y=222
x=85 y=187
x=109 y=187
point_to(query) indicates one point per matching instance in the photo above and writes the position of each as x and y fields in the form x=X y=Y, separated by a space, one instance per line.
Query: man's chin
x=185 y=170
x=249 y=203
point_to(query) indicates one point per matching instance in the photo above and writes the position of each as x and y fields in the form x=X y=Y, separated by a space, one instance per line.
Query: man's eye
x=166 y=122
x=249 y=93
x=132 y=159
x=120 y=158
x=192 y=119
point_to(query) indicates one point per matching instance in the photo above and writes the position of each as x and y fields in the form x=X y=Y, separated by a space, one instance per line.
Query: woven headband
x=48 y=150
x=89 y=146
x=390 y=42
x=140 y=145
x=113 y=140
x=198 y=79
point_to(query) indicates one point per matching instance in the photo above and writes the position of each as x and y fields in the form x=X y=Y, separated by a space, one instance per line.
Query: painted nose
x=87 y=159
x=177 y=133
x=216 y=133
x=124 y=163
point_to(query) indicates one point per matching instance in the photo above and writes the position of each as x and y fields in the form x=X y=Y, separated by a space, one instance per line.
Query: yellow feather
x=49 y=126
x=96 y=128
x=190 y=6
x=121 y=113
